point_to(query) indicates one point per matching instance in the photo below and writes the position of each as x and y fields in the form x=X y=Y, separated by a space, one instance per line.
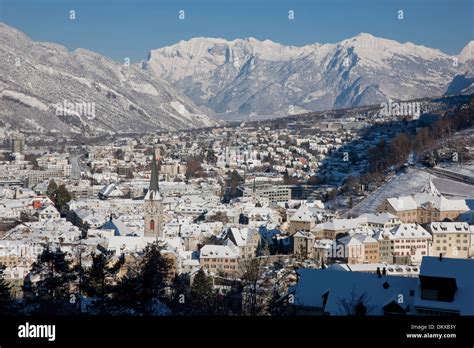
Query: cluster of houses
x=135 y=192
x=389 y=236
x=218 y=237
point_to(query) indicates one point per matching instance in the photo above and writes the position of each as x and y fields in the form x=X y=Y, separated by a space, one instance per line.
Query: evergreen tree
x=155 y=276
x=211 y=156
x=25 y=216
x=181 y=298
x=202 y=294
x=234 y=181
x=59 y=195
x=145 y=284
x=6 y=302
x=266 y=250
x=99 y=280
x=49 y=286
x=125 y=297
x=263 y=249
x=286 y=178
x=62 y=197
x=51 y=190
x=119 y=154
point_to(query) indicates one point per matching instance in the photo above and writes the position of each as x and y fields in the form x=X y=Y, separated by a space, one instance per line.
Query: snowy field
x=453 y=189
x=464 y=169
x=413 y=181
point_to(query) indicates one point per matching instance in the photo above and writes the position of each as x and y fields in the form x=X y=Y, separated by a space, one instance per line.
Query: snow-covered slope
x=463 y=82
x=251 y=77
x=39 y=81
x=467 y=52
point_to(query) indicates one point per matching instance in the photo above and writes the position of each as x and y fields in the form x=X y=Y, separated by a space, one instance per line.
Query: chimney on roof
x=384 y=271
x=378 y=272
x=441 y=256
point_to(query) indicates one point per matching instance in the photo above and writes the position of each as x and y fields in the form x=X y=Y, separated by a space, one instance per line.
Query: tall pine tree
x=202 y=294
x=155 y=277
x=49 y=287
x=99 y=281
x=144 y=287
x=180 y=298
x=6 y=301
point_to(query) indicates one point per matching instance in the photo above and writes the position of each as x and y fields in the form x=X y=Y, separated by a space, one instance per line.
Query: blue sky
x=130 y=28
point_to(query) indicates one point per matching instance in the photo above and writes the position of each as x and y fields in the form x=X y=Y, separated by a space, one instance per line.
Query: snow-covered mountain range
x=248 y=77
x=44 y=87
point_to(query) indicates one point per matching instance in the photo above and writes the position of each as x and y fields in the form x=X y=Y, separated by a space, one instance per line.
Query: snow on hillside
x=413 y=181
x=38 y=77
x=467 y=52
x=24 y=99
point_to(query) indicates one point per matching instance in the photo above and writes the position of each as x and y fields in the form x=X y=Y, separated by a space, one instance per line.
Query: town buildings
x=236 y=204
x=452 y=239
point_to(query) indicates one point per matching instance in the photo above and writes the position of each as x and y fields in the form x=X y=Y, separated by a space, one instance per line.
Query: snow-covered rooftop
x=217 y=251
x=302 y=214
x=462 y=271
x=344 y=287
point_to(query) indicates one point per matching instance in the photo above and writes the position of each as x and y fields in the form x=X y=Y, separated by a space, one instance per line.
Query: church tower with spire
x=153 y=206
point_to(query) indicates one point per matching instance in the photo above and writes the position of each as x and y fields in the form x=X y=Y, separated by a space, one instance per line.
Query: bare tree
x=355 y=305
x=254 y=297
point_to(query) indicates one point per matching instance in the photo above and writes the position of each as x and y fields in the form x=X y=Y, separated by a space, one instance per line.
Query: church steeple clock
x=153 y=206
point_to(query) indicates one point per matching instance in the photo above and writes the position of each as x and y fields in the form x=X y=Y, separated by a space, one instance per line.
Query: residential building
x=331 y=229
x=424 y=208
x=446 y=287
x=303 y=244
x=221 y=258
x=451 y=239
x=405 y=208
x=371 y=248
x=411 y=243
x=245 y=239
x=275 y=193
x=330 y=292
x=382 y=220
x=302 y=220
x=48 y=213
x=386 y=246
x=349 y=249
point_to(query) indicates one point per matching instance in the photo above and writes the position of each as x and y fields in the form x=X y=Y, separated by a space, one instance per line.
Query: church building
x=153 y=206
